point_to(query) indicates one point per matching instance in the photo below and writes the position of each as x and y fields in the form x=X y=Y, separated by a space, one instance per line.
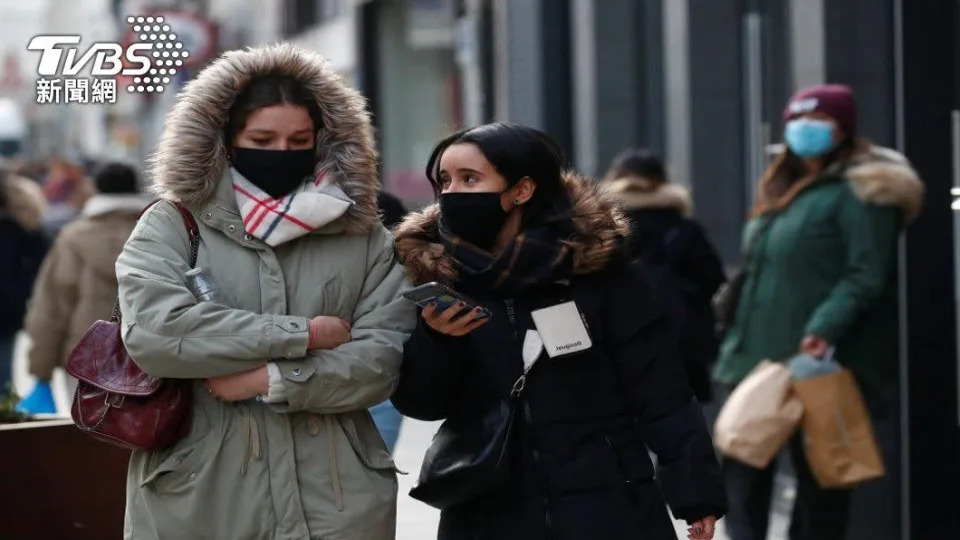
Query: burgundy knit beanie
x=835 y=100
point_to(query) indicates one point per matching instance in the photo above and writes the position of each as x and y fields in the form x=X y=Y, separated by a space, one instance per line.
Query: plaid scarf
x=275 y=221
x=536 y=256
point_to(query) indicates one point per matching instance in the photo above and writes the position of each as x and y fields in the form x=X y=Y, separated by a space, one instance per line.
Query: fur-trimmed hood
x=191 y=157
x=636 y=193
x=24 y=199
x=884 y=177
x=601 y=227
x=877 y=175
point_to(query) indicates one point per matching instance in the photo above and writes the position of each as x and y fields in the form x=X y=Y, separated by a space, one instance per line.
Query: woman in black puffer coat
x=514 y=233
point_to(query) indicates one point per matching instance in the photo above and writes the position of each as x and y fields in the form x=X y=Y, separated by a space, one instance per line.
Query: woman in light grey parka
x=273 y=155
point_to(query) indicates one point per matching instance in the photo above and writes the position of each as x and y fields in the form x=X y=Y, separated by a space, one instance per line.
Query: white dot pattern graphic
x=167 y=52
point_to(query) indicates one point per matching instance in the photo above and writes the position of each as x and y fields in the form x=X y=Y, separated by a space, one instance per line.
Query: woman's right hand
x=328 y=332
x=444 y=322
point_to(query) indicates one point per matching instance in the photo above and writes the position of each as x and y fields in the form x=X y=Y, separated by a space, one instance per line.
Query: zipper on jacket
x=528 y=417
x=334 y=463
x=541 y=478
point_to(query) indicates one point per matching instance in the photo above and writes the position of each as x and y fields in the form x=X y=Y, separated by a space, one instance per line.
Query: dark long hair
x=516 y=152
x=268 y=91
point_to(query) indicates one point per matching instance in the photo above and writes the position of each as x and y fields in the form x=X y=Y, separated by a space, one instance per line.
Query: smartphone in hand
x=444 y=297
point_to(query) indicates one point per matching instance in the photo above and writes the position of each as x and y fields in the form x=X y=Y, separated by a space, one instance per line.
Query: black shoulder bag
x=471 y=457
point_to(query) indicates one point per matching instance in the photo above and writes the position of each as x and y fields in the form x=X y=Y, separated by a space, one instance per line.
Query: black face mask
x=277 y=172
x=474 y=217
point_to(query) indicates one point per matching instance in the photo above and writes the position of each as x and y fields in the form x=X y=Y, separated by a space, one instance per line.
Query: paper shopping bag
x=759 y=417
x=838 y=437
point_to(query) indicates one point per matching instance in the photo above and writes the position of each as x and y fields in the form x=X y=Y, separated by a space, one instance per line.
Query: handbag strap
x=193 y=231
x=512 y=317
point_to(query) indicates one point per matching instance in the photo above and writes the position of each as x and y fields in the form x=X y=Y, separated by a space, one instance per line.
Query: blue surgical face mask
x=808 y=137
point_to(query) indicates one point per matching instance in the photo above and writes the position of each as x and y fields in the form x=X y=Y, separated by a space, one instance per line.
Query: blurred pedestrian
x=66 y=188
x=684 y=266
x=385 y=415
x=304 y=329
x=22 y=248
x=77 y=284
x=822 y=252
x=519 y=236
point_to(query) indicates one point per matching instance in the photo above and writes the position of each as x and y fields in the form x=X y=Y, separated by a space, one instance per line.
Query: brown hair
x=268 y=91
x=787 y=176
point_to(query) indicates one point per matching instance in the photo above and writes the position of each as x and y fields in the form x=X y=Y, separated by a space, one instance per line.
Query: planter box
x=58 y=482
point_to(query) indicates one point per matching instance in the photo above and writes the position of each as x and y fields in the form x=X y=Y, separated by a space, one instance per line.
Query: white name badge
x=562 y=329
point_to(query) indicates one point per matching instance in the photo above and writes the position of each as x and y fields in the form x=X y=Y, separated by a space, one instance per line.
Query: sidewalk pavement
x=415 y=520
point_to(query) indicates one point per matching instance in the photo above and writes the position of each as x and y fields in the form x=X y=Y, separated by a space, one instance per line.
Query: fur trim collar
x=636 y=193
x=877 y=175
x=25 y=202
x=600 y=224
x=191 y=157
x=884 y=177
x=105 y=203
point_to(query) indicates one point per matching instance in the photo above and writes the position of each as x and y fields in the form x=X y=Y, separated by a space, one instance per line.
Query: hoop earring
x=516 y=202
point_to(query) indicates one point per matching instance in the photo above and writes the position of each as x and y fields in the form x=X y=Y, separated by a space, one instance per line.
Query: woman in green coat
x=821 y=256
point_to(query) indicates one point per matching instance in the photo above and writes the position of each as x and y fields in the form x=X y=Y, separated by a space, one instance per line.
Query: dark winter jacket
x=22 y=247
x=582 y=469
x=827 y=266
x=671 y=244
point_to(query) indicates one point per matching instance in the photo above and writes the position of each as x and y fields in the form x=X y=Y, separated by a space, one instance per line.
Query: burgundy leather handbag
x=116 y=402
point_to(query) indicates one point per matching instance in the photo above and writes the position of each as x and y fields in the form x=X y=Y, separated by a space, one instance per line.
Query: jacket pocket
x=373 y=455
x=183 y=464
x=179 y=468
x=632 y=457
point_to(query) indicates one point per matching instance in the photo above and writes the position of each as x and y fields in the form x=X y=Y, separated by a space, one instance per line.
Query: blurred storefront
x=411 y=78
